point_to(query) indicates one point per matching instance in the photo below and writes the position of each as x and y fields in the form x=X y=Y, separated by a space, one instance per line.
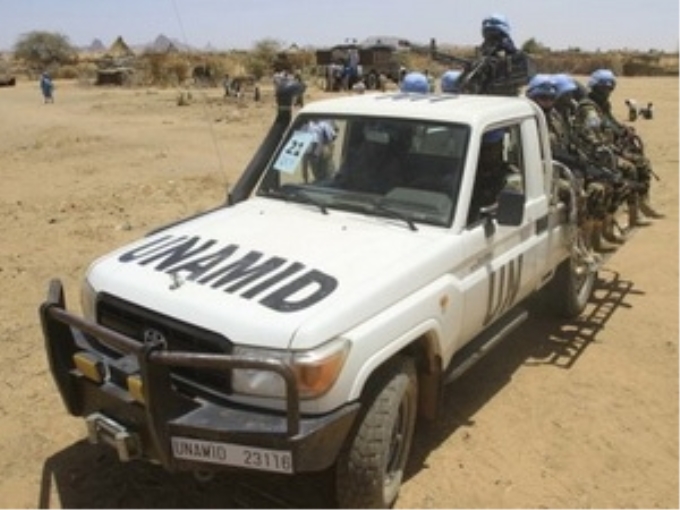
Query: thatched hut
x=117 y=65
x=119 y=49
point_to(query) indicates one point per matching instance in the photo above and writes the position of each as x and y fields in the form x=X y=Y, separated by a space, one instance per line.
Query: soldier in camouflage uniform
x=602 y=135
x=603 y=185
x=543 y=91
x=627 y=145
x=501 y=68
x=497 y=40
x=568 y=96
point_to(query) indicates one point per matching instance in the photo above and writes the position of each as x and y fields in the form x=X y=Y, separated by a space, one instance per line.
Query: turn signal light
x=90 y=366
x=136 y=388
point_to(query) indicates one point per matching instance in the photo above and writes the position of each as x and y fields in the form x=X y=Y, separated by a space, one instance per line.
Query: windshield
x=397 y=168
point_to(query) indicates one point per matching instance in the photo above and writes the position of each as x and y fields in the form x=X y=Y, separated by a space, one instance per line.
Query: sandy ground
x=563 y=414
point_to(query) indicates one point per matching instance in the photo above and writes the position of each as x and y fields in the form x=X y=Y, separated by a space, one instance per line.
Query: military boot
x=586 y=234
x=647 y=209
x=608 y=232
x=597 y=241
x=635 y=218
x=588 y=261
x=585 y=242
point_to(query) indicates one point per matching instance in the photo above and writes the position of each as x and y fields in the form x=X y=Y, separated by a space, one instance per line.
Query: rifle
x=627 y=139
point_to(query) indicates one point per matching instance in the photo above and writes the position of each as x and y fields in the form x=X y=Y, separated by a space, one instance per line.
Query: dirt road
x=563 y=414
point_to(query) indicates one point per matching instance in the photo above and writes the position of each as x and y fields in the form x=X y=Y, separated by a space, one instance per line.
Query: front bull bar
x=61 y=330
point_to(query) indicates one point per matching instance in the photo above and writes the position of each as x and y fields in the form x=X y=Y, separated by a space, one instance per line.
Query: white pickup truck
x=352 y=273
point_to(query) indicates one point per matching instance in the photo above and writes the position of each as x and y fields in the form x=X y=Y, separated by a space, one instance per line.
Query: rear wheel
x=370 y=468
x=571 y=287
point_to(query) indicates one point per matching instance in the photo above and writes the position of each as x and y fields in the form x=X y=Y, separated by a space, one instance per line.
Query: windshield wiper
x=379 y=206
x=365 y=204
x=288 y=192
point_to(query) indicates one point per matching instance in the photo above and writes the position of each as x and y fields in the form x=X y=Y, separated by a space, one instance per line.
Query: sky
x=228 y=24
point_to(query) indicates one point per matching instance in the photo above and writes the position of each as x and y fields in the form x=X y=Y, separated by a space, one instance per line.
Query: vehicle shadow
x=542 y=340
x=89 y=476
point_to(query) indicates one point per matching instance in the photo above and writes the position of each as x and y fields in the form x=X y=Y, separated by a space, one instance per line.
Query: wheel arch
x=424 y=348
x=425 y=351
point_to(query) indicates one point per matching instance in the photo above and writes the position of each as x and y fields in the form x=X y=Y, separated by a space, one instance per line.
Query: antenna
x=205 y=110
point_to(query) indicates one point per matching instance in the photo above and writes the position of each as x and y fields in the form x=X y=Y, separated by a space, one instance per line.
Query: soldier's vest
x=590 y=125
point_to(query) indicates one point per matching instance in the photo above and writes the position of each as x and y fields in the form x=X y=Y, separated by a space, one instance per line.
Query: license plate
x=261 y=459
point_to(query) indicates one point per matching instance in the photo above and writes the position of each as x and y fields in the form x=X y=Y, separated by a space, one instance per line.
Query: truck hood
x=273 y=274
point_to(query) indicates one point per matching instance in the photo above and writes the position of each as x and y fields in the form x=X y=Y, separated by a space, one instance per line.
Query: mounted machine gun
x=501 y=75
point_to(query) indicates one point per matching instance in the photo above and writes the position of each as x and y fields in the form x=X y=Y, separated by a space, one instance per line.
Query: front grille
x=143 y=324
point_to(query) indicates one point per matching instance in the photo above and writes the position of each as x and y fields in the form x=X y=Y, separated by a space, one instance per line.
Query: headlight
x=88 y=298
x=315 y=370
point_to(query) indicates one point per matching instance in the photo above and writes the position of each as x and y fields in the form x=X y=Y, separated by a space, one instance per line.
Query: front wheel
x=370 y=467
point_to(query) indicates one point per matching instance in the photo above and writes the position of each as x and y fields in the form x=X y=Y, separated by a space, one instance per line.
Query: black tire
x=571 y=287
x=370 y=467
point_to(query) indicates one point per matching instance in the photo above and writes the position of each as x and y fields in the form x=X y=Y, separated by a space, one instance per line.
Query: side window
x=514 y=158
x=500 y=165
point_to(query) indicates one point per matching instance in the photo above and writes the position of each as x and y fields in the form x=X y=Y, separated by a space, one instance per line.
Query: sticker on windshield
x=292 y=153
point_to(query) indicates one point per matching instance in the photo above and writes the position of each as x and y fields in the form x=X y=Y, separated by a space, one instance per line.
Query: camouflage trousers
x=628 y=169
x=598 y=197
x=638 y=169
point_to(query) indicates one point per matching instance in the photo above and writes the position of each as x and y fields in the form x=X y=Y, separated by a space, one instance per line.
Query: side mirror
x=510 y=210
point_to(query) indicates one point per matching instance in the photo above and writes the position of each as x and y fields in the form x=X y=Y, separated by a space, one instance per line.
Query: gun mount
x=492 y=75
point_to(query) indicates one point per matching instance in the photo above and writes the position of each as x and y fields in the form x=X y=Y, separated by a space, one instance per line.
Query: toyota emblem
x=152 y=336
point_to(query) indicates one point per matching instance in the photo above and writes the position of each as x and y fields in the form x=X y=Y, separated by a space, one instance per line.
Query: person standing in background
x=47 y=88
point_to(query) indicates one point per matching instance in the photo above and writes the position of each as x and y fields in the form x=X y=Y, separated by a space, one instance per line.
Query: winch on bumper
x=133 y=403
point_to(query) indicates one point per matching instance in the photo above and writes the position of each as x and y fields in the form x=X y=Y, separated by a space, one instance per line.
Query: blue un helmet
x=449 y=80
x=415 y=82
x=542 y=86
x=564 y=84
x=602 y=78
x=495 y=25
x=494 y=136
